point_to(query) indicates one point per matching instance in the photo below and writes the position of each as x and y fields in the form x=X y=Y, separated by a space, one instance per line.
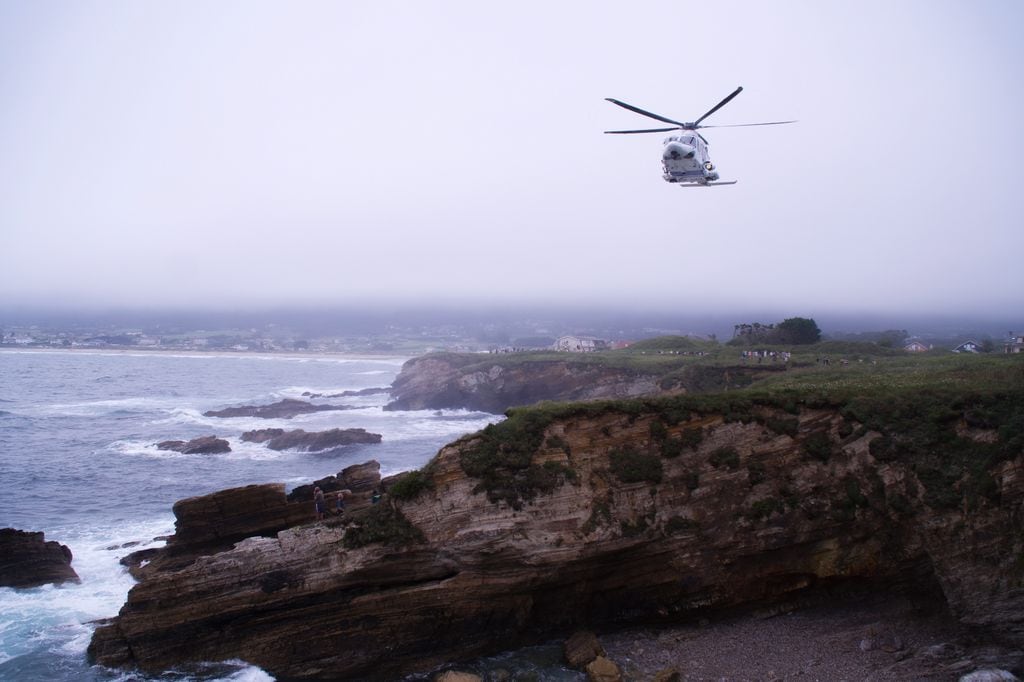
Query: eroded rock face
x=735 y=513
x=442 y=381
x=27 y=559
x=451 y=380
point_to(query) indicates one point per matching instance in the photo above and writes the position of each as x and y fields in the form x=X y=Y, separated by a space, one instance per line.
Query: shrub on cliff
x=502 y=458
x=381 y=523
x=632 y=466
x=725 y=456
x=411 y=484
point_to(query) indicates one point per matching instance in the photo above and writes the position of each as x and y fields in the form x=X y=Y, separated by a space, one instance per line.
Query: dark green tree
x=798 y=330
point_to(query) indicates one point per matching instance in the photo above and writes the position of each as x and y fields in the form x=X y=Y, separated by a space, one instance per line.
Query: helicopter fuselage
x=685 y=158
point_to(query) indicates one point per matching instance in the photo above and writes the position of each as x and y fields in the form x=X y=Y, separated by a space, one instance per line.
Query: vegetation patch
x=600 y=515
x=502 y=458
x=818 y=445
x=762 y=509
x=782 y=426
x=632 y=530
x=691 y=438
x=671 y=448
x=680 y=524
x=756 y=472
x=557 y=443
x=381 y=523
x=411 y=485
x=725 y=457
x=633 y=466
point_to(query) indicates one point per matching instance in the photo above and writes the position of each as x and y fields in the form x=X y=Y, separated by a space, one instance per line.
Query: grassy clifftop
x=950 y=418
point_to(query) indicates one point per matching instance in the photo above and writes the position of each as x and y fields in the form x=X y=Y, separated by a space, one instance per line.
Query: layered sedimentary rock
x=27 y=559
x=595 y=517
x=471 y=381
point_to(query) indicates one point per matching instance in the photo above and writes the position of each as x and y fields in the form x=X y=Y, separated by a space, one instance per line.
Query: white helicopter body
x=684 y=158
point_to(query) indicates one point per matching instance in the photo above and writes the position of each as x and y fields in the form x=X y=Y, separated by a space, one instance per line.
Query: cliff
x=605 y=514
x=494 y=383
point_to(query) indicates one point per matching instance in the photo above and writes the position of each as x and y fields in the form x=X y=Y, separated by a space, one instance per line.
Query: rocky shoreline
x=600 y=516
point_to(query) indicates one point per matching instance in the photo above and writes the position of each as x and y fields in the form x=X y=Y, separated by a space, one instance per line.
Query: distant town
x=376 y=335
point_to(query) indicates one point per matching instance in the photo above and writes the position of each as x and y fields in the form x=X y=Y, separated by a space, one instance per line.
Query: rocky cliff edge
x=602 y=515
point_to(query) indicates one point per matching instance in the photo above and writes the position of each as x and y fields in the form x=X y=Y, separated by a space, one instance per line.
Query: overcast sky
x=258 y=153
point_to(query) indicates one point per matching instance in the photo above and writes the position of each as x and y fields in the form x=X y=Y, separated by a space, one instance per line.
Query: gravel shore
x=876 y=639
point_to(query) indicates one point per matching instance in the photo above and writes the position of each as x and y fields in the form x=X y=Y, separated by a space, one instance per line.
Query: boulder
x=581 y=648
x=989 y=675
x=603 y=669
x=284 y=409
x=27 y=559
x=204 y=445
x=457 y=676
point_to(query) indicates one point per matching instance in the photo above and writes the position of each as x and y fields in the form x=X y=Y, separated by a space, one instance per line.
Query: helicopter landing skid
x=708 y=184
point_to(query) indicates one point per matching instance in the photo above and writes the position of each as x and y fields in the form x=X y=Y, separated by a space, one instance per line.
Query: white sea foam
x=58 y=617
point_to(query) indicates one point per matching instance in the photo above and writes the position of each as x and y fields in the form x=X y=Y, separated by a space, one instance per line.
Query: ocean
x=78 y=461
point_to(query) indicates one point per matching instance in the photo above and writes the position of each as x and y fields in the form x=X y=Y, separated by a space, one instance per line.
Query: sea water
x=78 y=461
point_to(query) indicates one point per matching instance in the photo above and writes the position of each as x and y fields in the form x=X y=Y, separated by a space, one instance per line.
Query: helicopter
x=684 y=159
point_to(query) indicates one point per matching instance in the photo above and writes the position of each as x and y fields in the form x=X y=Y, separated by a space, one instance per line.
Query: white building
x=579 y=344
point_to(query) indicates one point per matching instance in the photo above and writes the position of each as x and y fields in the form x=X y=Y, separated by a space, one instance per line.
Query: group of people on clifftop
x=321 y=506
x=320 y=503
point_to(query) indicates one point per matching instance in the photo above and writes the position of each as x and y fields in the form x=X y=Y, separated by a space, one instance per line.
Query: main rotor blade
x=646 y=130
x=744 y=125
x=648 y=114
x=719 y=105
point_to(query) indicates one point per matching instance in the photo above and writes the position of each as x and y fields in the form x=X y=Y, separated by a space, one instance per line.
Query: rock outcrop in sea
x=316 y=441
x=204 y=445
x=594 y=516
x=27 y=559
x=283 y=409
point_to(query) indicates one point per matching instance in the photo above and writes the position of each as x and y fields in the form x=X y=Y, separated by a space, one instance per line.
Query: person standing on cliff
x=318 y=502
x=339 y=504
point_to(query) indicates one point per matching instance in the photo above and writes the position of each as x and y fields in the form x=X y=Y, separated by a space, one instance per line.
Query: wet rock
x=261 y=435
x=941 y=652
x=204 y=445
x=667 y=675
x=27 y=559
x=602 y=669
x=284 y=409
x=298 y=439
x=581 y=648
x=456 y=676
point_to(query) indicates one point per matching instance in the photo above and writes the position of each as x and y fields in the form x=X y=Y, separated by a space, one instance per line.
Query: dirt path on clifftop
x=880 y=640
